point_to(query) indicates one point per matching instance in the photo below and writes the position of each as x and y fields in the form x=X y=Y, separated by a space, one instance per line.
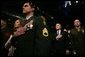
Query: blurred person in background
x=77 y=39
x=60 y=41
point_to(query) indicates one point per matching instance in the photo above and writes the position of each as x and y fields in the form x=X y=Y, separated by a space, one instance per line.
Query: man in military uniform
x=77 y=39
x=43 y=38
x=35 y=41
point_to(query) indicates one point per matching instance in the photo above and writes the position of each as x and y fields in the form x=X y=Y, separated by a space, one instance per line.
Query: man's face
x=27 y=8
x=77 y=23
x=58 y=26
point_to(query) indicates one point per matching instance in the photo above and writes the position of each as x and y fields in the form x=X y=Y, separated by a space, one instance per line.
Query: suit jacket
x=59 y=46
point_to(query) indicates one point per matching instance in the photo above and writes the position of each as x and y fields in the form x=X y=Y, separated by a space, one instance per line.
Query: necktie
x=58 y=32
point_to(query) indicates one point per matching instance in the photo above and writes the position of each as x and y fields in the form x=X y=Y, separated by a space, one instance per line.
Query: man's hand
x=20 y=31
x=58 y=37
x=67 y=52
x=11 y=50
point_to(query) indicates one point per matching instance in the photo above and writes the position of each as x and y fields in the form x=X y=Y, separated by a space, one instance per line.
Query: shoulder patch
x=45 y=32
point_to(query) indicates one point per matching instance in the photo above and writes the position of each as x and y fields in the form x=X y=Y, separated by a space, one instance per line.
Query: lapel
x=60 y=32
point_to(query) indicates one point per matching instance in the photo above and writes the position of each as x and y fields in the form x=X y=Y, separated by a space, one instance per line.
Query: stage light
x=77 y=1
x=52 y=17
x=67 y=2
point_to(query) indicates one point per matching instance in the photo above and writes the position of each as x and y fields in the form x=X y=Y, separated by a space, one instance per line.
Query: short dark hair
x=30 y=3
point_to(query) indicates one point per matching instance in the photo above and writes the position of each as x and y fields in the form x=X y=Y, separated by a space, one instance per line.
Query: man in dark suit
x=60 y=41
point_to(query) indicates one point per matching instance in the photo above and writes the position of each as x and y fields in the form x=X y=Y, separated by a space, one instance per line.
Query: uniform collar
x=29 y=17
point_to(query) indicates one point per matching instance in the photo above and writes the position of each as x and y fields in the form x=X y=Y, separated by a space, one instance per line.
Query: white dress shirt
x=58 y=32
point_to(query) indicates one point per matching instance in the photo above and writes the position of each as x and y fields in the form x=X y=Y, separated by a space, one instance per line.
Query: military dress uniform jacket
x=25 y=43
x=35 y=42
x=77 y=41
x=43 y=38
